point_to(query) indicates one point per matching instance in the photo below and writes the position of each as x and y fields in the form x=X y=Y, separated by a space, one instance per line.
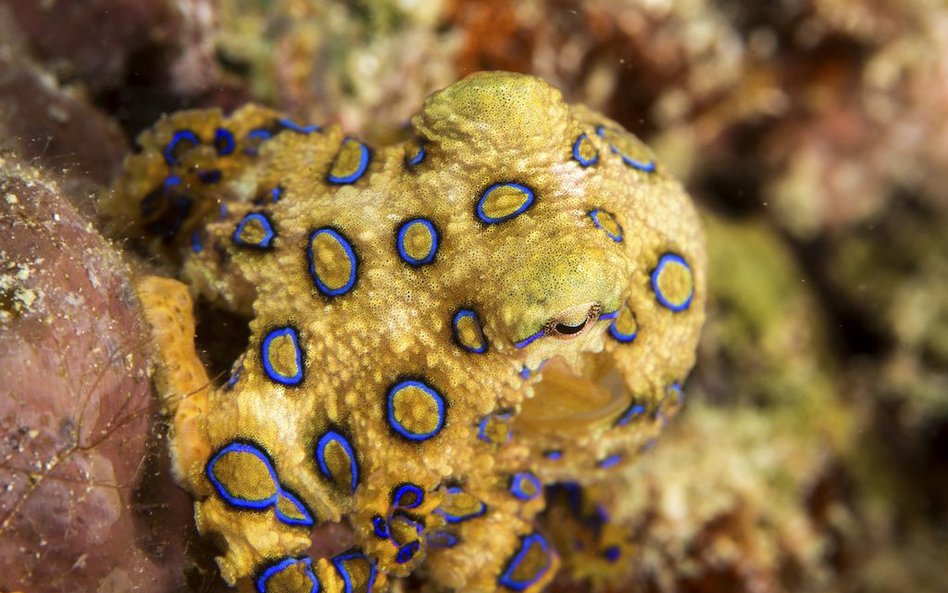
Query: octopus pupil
x=568 y=330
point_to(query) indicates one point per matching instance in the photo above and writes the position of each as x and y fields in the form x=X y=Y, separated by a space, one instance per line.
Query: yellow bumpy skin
x=449 y=335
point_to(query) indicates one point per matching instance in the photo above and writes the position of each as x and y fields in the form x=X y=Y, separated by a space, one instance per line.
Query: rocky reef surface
x=813 y=451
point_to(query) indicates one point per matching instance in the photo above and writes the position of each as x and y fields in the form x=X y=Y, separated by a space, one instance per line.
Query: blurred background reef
x=813 y=452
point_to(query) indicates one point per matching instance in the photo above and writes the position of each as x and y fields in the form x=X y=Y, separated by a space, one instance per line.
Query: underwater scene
x=488 y=296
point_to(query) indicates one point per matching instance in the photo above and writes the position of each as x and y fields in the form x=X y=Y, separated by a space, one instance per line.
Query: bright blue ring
x=364 y=158
x=528 y=541
x=179 y=136
x=380 y=527
x=330 y=436
x=265 y=356
x=611 y=315
x=350 y=253
x=238 y=447
x=482 y=429
x=517 y=483
x=461 y=314
x=306 y=521
x=338 y=563
x=224 y=142
x=448 y=517
x=400 y=242
x=525 y=373
x=662 y=262
x=553 y=454
x=412 y=436
x=647 y=167
x=527 y=341
x=482 y=426
x=405 y=489
x=594 y=215
x=276 y=193
x=609 y=461
x=259 y=134
x=631 y=412
x=283 y=565
x=579 y=158
x=622 y=337
x=292 y=125
x=407 y=552
x=418 y=157
x=268 y=236
x=443 y=539
x=612 y=553
x=490 y=220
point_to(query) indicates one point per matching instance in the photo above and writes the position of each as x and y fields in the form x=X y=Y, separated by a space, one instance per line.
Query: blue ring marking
x=418 y=157
x=197 y=246
x=408 y=489
x=662 y=262
x=400 y=242
x=239 y=447
x=259 y=136
x=449 y=518
x=407 y=552
x=305 y=521
x=647 y=167
x=526 y=542
x=594 y=215
x=527 y=341
x=412 y=520
x=531 y=197
x=234 y=374
x=607 y=462
x=177 y=138
x=525 y=373
x=462 y=313
x=622 y=337
x=579 y=158
x=365 y=155
x=283 y=565
x=265 y=356
x=517 y=483
x=223 y=211
x=162 y=202
x=443 y=539
x=224 y=141
x=268 y=232
x=350 y=253
x=401 y=430
x=612 y=553
x=339 y=563
x=553 y=454
x=211 y=176
x=380 y=527
x=276 y=193
x=288 y=124
x=482 y=426
x=333 y=436
x=611 y=315
x=632 y=412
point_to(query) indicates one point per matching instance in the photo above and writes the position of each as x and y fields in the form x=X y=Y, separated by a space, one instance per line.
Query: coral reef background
x=813 y=452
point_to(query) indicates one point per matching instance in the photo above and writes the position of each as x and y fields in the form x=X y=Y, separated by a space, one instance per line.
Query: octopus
x=459 y=342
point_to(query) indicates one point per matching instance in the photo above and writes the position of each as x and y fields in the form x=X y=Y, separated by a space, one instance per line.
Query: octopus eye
x=569 y=325
x=567 y=330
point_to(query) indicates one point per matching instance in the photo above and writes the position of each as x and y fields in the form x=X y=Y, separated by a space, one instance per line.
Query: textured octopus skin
x=445 y=332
